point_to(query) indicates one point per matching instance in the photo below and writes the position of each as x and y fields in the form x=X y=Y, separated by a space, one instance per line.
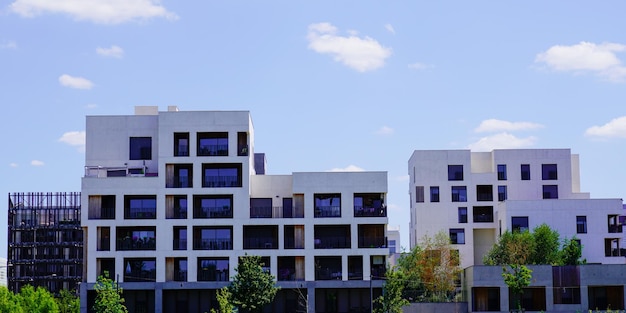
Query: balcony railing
x=332 y=243
x=261 y=212
x=360 y=211
x=120 y=171
x=291 y=243
x=104 y=244
x=180 y=275
x=328 y=211
x=102 y=214
x=180 y=182
x=287 y=274
x=140 y=276
x=136 y=244
x=178 y=213
x=213 y=212
x=328 y=273
x=212 y=275
x=213 y=244
x=180 y=244
x=140 y=213
x=213 y=150
x=372 y=242
x=221 y=181
x=260 y=243
x=615 y=229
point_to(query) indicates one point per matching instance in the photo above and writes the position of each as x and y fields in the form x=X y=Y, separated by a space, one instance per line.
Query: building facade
x=476 y=196
x=174 y=198
x=45 y=241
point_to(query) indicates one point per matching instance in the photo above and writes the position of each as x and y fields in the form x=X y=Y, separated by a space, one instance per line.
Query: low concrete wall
x=430 y=307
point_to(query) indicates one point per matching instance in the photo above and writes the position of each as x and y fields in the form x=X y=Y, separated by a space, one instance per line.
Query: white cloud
x=97 y=11
x=113 y=52
x=385 y=130
x=75 y=82
x=501 y=141
x=349 y=168
x=13 y=165
x=390 y=29
x=495 y=125
x=74 y=138
x=616 y=128
x=8 y=45
x=36 y=163
x=586 y=57
x=419 y=66
x=359 y=53
x=91 y=106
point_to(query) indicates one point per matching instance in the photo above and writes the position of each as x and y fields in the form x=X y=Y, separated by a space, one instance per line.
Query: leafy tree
x=9 y=302
x=252 y=287
x=547 y=245
x=571 y=252
x=432 y=267
x=512 y=248
x=37 y=300
x=108 y=296
x=68 y=302
x=517 y=279
x=223 y=300
x=392 y=301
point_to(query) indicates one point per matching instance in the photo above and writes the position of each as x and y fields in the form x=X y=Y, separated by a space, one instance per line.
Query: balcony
x=214 y=244
x=260 y=237
x=372 y=242
x=140 y=270
x=128 y=244
x=213 y=212
x=213 y=150
x=260 y=243
x=119 y=171
x=221 y=181
x=328 y=268
x=328 y=211
x=360 y=211
x=483 y=214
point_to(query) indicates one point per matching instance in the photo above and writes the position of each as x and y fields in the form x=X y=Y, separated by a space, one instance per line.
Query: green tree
x=9 y=302
x=223 y=300
x=108 y=296
x=252 y=287
x=547 y=246
x=68 y=302
x=511 y=248
x=517 y=279
x=571 y=253
x=37 y=300
x=392 y=301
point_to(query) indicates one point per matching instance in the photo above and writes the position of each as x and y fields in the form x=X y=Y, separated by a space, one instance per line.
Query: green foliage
x=391 y=300
x=9 y=302
x=37 y=300
x=223 y=300
x=68 y=302
x=542 y=246
x=108 y=296
x=252 y=287
x=517 y=279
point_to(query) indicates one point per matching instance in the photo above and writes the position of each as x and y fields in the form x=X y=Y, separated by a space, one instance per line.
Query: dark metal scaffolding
x=45 y=241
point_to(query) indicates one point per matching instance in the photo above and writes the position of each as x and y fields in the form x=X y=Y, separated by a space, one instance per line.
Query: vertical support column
x=310 y=293
x=158 y=298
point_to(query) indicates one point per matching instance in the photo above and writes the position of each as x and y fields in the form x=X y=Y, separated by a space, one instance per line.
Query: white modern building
x=172 y=199
x=476 y=196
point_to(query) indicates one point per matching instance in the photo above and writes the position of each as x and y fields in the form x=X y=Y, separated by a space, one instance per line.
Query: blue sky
x=331 y=85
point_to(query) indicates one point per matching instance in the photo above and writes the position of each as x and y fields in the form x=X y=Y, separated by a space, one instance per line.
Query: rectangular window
x=519 y=224
x=212 y=238
x=462 y=214
x=457 y=236
x=136 y=238
x=501 y=171
x=483 y=214
x=581 y=224
x=213 y=269
x=260 y=207
x=179 y=175
x=140 y=148
x=327 y=205
x=213 y=206
x=614 y=224
x=455 y=172
x=550 y=191
x=502 y=193
x=459 y=194
x=484 y=193
x=260 y=237
x=139 y=270
x=181 y=144
x=242 y=144
x=525 y=171
x=180 y=238
x=140 y=207
x=213 y=144
x=419 y=193
x=548 y=172
x=221 y=175
x=434 y=194
x=175 y=206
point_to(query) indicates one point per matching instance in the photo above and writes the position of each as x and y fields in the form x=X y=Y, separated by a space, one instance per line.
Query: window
x=519 y=224
x=548 y=172
x=327 y=205
x=550 y=191
x=581 y=224
x=502 y=193
x=483 y=214
x=455 y=172
x=369 y=205
x=221 y=175
x=140 y=207
x=372 y=236
x=484 y=193
x=419 y=193
x=260 y=207
x=614 y=224
x=501 y=171
x=181 y=144
x=140 y=148
x=459 y=194
x=179 y=175
x=139 y=269
x=566 y=280
x=525 y=171
x=333 y=236
x=212 y=238
x=612 y=247
x=242 y=144
x=260 y=237
x=180 y=269
x=434 y=194
x=175 y=206
x=180 y=238
x=213 y=206
x=462 y=214
x=213 y=269
x=457 y=236
x=212 y=144
x=136 y=238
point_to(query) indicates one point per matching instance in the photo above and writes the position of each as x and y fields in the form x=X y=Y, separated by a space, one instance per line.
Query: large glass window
x=213 y=144
x=525 y=171
x=136 y=238
x=213 y=269
x=457 y=236
x=260 y=207
x=459 y=194
x=434 y=194
x=213 y=206
x=483 y=214
x=212 y=238
x=501 y=171
x=581 y=224
x=221 y=175
x=455 y=172
x=327 y=205
x=140 y=207
x=484 y=192
x=140 y=148
x=139 y=269
x=550 y=191
x=519 y=223
x=548 y=172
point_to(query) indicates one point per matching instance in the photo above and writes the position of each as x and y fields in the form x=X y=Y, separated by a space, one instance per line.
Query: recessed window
x=140 y=148
x=213 y=269
x=140 y=207
x=483 y=214
x=519 y=223
x=525 y=171
x=212 y=238
x=434 y=194
x=218 y=175
x=550 y=191
x=462 y=214
x=213 y=144
x=457 y=236
x=501 y=171
x=140 y=269
x=455 y=172
x=548 y=172
x=212 y=206
x=459 y=194
x=502 y=193
x=484 y=193
x=419 y=194
x=581 y=224
x=181 y=144
x=327 y=205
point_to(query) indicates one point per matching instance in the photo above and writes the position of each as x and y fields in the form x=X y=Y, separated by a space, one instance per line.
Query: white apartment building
x=172 y=199
x=476 y=196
